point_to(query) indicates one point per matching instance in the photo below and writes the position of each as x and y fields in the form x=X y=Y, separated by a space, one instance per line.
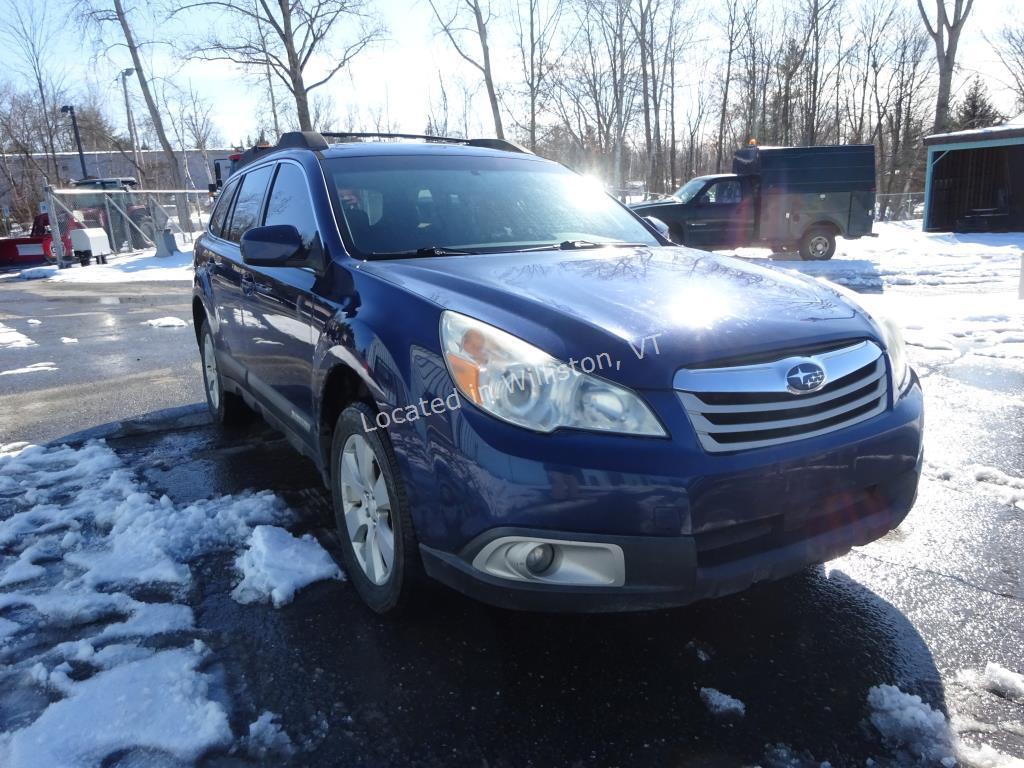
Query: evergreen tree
x=976 y=110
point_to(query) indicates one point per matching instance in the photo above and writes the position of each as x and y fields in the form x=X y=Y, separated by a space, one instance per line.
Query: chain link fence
x=131 y=219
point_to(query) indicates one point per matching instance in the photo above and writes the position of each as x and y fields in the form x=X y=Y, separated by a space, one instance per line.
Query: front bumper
x=672 y=571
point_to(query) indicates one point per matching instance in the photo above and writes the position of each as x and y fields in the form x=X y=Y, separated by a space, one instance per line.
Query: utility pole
x=69 y=110
x=124 y=75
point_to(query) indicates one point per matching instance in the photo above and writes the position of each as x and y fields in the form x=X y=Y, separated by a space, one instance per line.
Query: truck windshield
x=686 y=192
x=398 y=205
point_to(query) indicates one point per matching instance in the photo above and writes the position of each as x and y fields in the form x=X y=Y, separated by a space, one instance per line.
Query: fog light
x=540 y=558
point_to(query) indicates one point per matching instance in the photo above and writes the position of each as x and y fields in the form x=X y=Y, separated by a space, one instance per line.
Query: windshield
x=686 y=192
x=398 y=205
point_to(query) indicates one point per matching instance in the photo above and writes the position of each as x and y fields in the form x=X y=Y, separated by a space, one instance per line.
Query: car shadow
x=454 y=682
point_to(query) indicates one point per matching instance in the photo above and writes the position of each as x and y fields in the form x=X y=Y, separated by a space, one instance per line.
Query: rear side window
x=289 y=202
x=250 y=199
x=220 y=213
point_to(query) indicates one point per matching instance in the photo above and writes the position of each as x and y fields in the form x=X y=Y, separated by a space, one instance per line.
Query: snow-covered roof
x=1009 y=130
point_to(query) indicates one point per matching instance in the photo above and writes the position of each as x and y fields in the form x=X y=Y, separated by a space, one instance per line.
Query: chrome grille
x=751 y=406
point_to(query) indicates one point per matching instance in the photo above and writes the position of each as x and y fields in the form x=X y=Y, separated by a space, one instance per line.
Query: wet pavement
x=456 y=683
x=118 y=367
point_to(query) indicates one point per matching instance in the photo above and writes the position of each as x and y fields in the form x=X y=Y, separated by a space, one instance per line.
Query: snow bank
x=12 y=339
x=722 y=704
x=132 y=268
x=276 y=565
x=904 y=255
x=36 y=273
x=78 y=534
x=166 y=322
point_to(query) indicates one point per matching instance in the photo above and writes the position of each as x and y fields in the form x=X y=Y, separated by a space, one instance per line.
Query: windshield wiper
x=430 y=250
x=580 y=245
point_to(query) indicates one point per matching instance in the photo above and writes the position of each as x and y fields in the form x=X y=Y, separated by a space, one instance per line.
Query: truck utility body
x=783 y=198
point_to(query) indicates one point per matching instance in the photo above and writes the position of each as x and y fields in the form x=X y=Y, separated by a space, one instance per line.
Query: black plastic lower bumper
x=667 y=571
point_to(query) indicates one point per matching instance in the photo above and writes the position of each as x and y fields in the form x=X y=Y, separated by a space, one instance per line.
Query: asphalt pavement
x=119 y=367
x=457 y=683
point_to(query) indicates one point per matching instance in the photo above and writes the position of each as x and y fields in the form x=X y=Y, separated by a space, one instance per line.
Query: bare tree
x=283 y=38
x=455 y=24
x=26 y=30
x=1010 y=49
x=945 y=33
x=104 y=13
x=731 y=28
x=536 y=25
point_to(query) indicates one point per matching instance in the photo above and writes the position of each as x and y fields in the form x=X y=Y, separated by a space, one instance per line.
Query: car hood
x=650 y=310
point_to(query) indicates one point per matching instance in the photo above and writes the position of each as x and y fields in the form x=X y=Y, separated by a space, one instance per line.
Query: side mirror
x=659 y=226
x=278 y=245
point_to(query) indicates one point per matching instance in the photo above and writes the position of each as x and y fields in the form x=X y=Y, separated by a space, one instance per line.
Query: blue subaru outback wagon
x=515 y=386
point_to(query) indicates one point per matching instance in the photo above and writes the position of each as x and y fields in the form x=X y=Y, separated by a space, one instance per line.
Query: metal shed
x=975 y=180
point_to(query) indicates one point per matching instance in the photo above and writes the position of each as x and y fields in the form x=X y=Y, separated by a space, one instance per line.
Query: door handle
x=248 y=283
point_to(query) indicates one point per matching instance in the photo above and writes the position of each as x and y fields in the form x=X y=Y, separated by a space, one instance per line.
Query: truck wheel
x=817 y=244
x=147 y=227
x=378 y=544
x=226 y=408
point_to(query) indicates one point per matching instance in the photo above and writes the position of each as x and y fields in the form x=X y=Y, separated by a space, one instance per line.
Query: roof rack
x=499 y=144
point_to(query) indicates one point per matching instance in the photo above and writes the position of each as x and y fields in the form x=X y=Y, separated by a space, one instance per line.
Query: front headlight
x=897 y=349
x=518 y=383
x=892 y=335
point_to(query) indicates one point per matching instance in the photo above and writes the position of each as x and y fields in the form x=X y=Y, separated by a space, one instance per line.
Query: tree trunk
x=492 y=94
x=184 y=217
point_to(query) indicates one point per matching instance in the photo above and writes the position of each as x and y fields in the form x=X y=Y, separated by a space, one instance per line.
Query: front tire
x=226 y=408
x=817 y=244
x=378 y=543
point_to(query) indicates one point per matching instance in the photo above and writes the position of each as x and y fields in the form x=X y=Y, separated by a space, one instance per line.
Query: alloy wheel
x=210 y=371
x=367 y=509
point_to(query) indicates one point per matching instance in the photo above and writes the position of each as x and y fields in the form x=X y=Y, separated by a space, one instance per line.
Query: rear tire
x=226 y=408
x=371 y=511
x=148 y=229
x=818 y=244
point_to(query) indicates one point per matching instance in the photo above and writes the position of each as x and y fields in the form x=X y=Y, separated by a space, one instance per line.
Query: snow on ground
x=917 y=734
x=12 y=339
x=110 y=671
x=903 y=255
x=166 y=322
x=996 y=679
x=722 y=704
x=128 y=268
x=33 y=321
x=68 y=340
x=266 y=739
x=276 y=565
x=33 y=368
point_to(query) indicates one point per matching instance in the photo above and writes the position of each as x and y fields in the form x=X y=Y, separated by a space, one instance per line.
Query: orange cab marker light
x=467 y=377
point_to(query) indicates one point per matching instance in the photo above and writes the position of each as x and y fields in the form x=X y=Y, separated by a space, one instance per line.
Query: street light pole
x=125 y=74
x=68 y=110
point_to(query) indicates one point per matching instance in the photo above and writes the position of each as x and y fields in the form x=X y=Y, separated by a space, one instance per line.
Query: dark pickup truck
x=783 y=198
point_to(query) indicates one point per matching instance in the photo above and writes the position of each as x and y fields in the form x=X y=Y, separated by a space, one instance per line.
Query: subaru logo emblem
x=805 y=377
